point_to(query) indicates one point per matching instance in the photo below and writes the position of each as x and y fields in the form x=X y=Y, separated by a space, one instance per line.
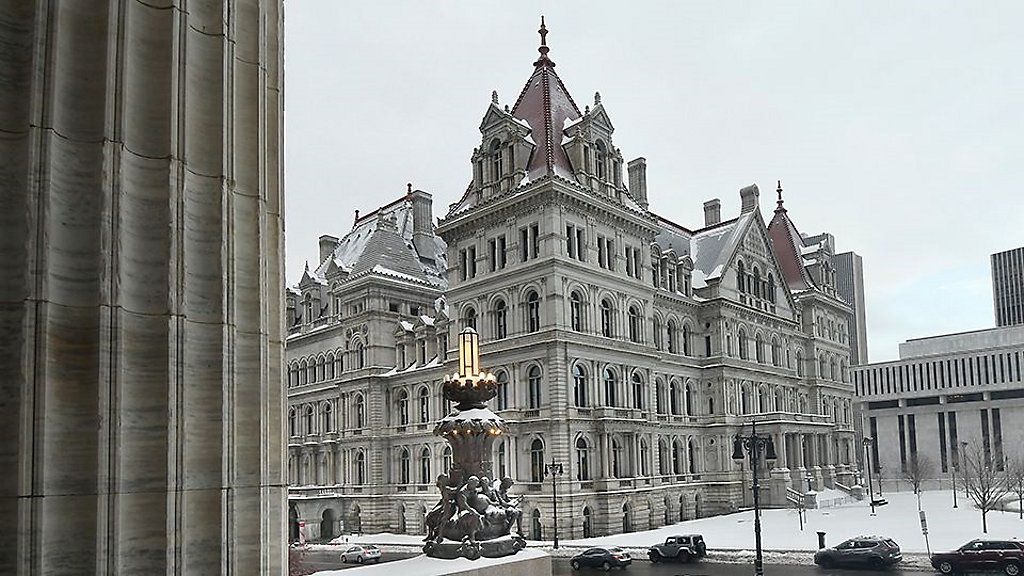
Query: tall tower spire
x=543 y=60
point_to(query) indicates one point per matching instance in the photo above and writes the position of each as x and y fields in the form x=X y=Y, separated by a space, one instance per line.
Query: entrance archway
x=627 y=522
x=682 y=507
x=328 y=522
x=535 y=527
x=356 y=523
x=588 y=530
x=293 y=523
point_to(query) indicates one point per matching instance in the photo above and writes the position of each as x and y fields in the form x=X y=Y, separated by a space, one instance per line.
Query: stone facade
x=629 y=348
x=141 y=299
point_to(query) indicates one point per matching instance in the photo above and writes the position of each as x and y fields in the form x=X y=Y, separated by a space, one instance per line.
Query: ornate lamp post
x=554 y=469
x=754 y=446
x=475 y=516
x=867 y=458
x=952 y=470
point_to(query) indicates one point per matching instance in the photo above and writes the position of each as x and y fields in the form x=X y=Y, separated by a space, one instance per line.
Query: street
x=315 y=560
x=643 y=568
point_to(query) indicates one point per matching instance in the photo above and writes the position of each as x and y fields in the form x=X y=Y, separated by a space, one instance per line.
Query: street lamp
x=867 y=459
x=952 y=470
x=554 y=469
x=963 y=461
x=754 y=445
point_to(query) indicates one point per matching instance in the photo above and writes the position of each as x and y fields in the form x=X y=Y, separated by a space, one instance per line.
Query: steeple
x=546 y=106
x=779 y=207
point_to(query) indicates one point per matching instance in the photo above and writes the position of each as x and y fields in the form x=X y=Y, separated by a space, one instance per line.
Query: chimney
x=422 y=228
x=637 y=169
x=327 y=246
x=749 y=198
x=712 y=212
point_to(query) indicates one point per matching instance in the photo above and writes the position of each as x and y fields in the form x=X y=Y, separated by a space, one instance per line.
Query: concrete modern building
x=1008 y=287
x=628 y=348
x=945 y=390
x=850 y=285
x=141 y=288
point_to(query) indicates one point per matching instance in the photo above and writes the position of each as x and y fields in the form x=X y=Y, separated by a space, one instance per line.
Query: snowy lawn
x=424 y=566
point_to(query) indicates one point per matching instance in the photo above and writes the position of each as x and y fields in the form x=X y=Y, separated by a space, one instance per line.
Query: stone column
x=141 y=307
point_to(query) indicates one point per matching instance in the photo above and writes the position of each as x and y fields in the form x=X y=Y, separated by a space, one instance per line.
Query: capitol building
x=628 y=348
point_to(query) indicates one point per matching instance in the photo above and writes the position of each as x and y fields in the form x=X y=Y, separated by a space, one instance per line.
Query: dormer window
x=602 y=159
x=495 y=159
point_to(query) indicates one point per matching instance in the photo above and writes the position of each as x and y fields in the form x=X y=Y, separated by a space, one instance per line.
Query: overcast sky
x=896 y=126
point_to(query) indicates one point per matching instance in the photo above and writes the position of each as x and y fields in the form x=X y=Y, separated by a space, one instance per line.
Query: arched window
x=330 y=366
x=496 y=159
x=663 y=457
x=588 y=524
x=673 y=397
x=741 y=277
x=310 y=371
x=686 y=339
x=532 y=311
x=638 y=391
x=533 y=386
x=582 y=459
x=424 y=404
x=690 y=406
x=403 y=466
x=535 y=527
x=799 y=363
x=616 y=457
x=607 y=319
x=755 y=283
x=536 y=460
x=425 y=466
x=691 y=456
x=360 y=467
x=677 y=457
x=759 y=348
x=602 y=160
x=339 y=363
x=645 y=457
x=293 y=423
x=502 y=396
x=656 y=326
x=360 y=409
x=843 y=372
x=500 y=320
x=711 y=405
x=576 y=311
x=325 y=414
x=776 y=350
x=403 y=408
x=310 y=420
x=822 y=367
x=832 y=371
x=671 y=328
x=741 y=338
x=611 y=382
x=634 y=324
x=360 y=355
x=579 y=385
x=469 y=318
x=446 y=458
x=771 y=288
x=659 y=396
x=502 y=460
x=762 y=400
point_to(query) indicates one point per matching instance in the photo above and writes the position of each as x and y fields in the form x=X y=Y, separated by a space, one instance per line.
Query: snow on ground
x=425 y=566
x=731 y=537
x=780 y=528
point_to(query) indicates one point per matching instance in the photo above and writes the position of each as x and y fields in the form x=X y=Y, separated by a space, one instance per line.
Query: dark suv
x=683 y=548
x=865 y=551
x=978 y=555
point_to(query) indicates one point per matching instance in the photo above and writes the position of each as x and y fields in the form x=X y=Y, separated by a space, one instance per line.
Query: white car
x=360 y=553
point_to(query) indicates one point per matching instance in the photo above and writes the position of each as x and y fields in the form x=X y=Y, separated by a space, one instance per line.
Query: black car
x=604 y=558
x=872 y=552
x=1006 y=556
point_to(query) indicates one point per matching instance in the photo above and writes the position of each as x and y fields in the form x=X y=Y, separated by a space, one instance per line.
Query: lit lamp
x=469 y=352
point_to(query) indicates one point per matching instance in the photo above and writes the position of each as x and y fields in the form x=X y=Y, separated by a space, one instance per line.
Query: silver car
x=360 y=553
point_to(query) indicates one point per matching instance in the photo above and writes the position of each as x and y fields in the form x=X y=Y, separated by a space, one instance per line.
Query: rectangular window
x=629 y=261
x=601 y=257
x=570 y=240
x=502 y=252
x=534 y=241
x=1007 y=394
x=581 y=246
x=942 y=442
x=492 y=251
x=997 y=438
x=903 y=443
x=524 y=244
x=912 y=436
x=986 y=441
x=954 y=443
x=874 y=445
x=471 y=257
x=610 y=251
x=463 y=264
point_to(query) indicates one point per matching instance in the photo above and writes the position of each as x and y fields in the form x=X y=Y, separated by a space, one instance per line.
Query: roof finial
x=357 y=216
x=494 y=96
x=543 y=60
x=779 y=201
x=408 y=188
x=597 y=98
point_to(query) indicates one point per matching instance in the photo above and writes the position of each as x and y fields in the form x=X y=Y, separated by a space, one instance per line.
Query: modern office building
x=943 y=391
x=1008 y=287
x=850 y=285
x=628 y=348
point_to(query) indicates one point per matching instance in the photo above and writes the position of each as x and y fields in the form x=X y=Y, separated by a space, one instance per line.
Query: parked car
x=604 y=558
x=685 y=548
x=873 y=552
x=1006 y=556
x=360 y=553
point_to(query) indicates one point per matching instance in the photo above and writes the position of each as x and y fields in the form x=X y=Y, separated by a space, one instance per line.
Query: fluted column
x=141 y=237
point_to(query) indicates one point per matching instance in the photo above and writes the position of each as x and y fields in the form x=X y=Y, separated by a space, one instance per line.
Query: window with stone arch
x=691 y=409
x=776 y=350
x=326 y=415
x=671 y=331
x=686 y=339
x=611 y=384
x=656 y=327
x=423 y=401
x=496 y=171
x=293 y=422
x=402 y=406
x=741 y=277
x=607 y=318
x=310 y=419
x=673 y=398
x=360 y=411
x=502 y=459
x=755 y=283
x=602 y=161
x=403 y=467
x=503 y=392
x=446 y=458
x=533 y=387
x=532 y=311
x=582 y=459
x=759 y=348
x=617 y=471
x=500 y=319
x=677 y=456
x=360 y=355
x=469 y=317
x=741 y=339
x=360 y=467
x=692 y=456
x=645 y=457
x=576 y=311
x=635 y=324
x=537 y=460
x=639 y=390
x=330 y=366
x=425 y=465
x=799 y=363
x=771 y=288
x=579 y=385
x=664 y=459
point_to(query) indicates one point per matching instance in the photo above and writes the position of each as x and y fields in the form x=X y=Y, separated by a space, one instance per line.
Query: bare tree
x=985 y=485
x=918 y=470
x=1015 y=479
